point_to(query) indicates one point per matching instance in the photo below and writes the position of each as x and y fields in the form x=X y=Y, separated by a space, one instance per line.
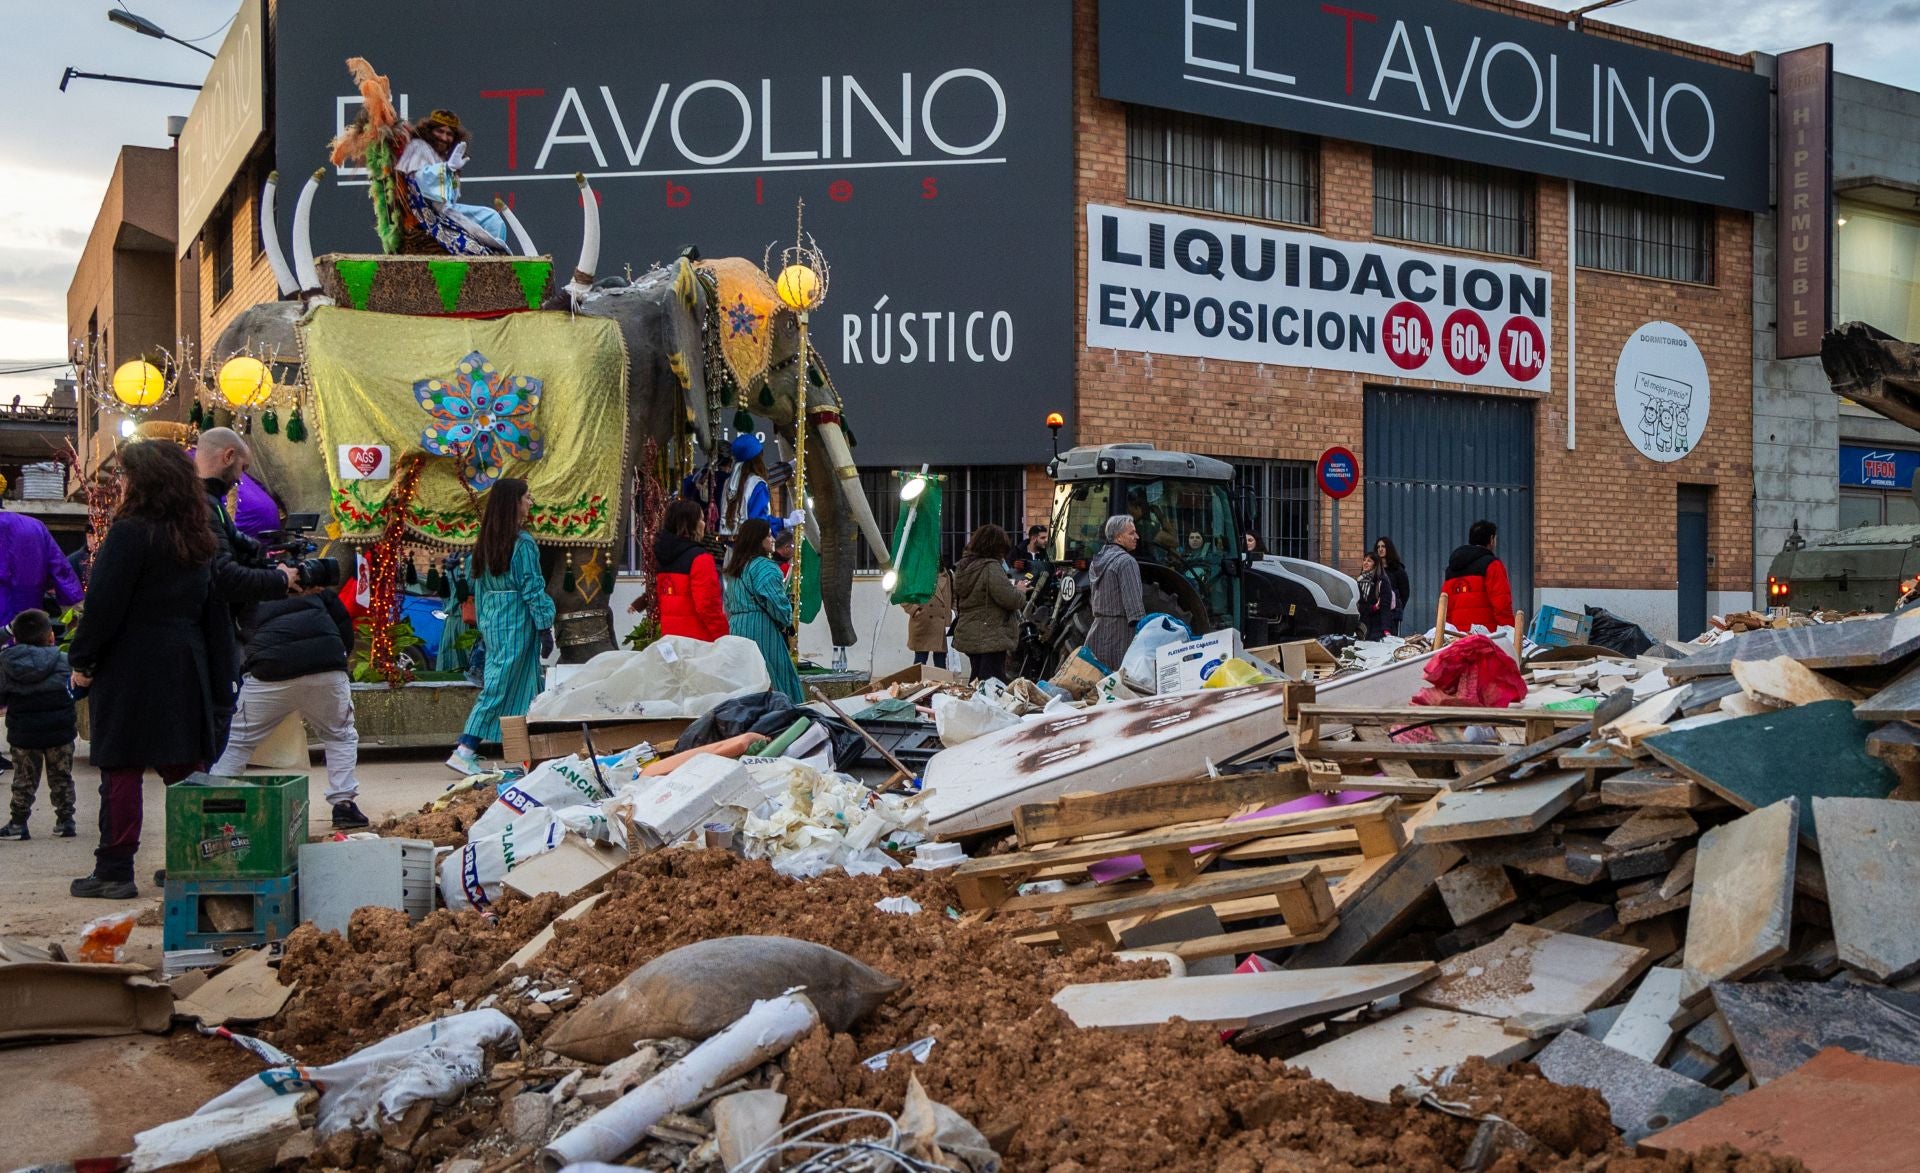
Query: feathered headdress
x=376 y=137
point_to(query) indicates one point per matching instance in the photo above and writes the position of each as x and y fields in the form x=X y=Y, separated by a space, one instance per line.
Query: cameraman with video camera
x=242 y=575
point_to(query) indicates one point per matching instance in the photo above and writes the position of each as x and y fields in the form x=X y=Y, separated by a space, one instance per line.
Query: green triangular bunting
x=448 y=277
x=356 y=277
x=534 y=276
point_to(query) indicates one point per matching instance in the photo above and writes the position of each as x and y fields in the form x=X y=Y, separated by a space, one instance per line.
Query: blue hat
x=746 y=446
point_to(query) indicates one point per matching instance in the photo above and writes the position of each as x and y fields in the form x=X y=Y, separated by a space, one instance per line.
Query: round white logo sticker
x=1660 y=390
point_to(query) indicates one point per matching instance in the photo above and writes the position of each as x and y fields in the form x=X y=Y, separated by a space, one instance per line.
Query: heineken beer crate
x=231 y=828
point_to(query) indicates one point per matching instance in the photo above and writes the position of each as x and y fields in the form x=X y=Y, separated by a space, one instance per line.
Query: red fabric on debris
x=1473 y=672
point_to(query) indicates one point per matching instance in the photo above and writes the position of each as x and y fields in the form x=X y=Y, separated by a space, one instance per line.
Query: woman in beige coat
x=927 y=622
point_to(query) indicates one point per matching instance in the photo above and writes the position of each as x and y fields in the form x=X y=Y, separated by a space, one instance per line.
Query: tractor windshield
x=1185 y=525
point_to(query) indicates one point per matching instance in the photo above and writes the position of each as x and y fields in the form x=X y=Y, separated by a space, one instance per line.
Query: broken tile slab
x=1655 y=859
x=1643 y=1030
x=1540 y=1026
x=1471 y=891
x=1681 y=877
x=1753 y=762
x=1640 y=1096
x=1599 y=1022
x=1529 y=970
x=1777 y=1026
x=1408 y=1048
x=1656 y=786
x=1584 y=917
x=1371 y=913
x=1236 y=1001
x=1857 y=643
x=1742 y=897
x=1784 y=681
x=1898 y=701
x=1510 y=809
x=1650 y=825
x=1871 y=861
x=1837 y=1113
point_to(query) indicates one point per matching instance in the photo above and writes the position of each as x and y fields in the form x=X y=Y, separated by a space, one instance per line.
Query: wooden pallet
x=1348 y=747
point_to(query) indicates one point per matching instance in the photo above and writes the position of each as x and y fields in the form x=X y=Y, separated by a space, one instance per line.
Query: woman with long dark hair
x=141 y=648
x=1393 y=574
x=757 y=603
x=514 y=614
x=688 y=597
x=988 y=603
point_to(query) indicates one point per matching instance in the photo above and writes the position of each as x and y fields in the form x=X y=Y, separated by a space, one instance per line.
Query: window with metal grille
x=970 y=497
x=1452 y=202
x=220 y=248
x=1648 y=235
x=1229 y=167
x=1276 y=498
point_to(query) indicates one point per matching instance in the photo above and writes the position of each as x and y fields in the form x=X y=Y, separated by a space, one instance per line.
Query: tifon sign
x=1172 y=284
x=1453 y=80
x=1804 y=259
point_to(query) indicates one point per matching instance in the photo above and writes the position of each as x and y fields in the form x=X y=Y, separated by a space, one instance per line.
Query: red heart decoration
x=364 y=459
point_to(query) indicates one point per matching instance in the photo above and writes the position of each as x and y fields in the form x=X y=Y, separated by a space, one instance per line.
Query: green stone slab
x=1809 y=751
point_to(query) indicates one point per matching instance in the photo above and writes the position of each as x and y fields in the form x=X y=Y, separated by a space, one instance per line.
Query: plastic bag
x=436 y=1060
x=1616 y=634
x=961 y=719
x=1156 y=631
x=562 y=782
x=1234 y=673
x=1112 y=689
x=674 y=676
x=769 y=714
x=104 y=938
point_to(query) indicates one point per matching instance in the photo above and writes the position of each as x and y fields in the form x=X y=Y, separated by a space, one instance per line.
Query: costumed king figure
x=431 y=165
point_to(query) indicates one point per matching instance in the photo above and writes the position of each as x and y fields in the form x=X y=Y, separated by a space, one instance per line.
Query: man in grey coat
x=1114 y=579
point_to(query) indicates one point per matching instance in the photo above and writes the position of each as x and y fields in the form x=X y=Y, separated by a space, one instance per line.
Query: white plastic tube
x=760 y=1034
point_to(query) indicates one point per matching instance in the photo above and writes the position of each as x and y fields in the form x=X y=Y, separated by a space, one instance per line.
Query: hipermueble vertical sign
x=1170 y=284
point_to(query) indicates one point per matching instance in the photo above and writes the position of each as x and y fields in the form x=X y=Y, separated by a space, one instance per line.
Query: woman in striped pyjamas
x=757 y=603
x=515 y=617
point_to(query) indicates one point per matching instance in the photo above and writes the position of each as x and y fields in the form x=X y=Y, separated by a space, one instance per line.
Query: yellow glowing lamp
x=1056 y=420
x=139 y=384
x=798 y=287
x=245 y=381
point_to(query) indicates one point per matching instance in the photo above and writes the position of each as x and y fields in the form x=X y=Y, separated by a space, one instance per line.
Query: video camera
x=293 y=545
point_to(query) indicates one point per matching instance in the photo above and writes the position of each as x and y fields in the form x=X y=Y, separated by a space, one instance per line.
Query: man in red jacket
x=1476 y=586
x=691 y=599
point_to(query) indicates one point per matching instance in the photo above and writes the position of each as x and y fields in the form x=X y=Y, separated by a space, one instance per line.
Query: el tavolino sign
x=228 y=117
x=1171 y=284
x=1454 y=80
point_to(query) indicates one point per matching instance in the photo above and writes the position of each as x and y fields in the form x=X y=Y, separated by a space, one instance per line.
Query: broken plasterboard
x=1741 y=909
x=1236 y=1001
x=1409 y=1048
x=1528 y=970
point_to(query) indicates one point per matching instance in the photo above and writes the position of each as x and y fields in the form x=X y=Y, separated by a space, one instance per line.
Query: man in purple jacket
x=30 y=566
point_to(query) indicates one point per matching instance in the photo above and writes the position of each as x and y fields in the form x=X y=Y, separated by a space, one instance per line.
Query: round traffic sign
x=1338 y=472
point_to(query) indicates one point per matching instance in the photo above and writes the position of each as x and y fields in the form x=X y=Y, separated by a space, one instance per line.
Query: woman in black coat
x=1394 y=573
x=142 y=650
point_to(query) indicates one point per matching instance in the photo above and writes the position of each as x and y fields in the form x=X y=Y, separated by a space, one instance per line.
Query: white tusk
x=589 y=242
x=303 y=267
x=270 y=238
x=520 y=236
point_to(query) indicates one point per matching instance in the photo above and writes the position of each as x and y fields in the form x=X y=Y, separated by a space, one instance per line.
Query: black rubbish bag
x=1616 y=634
x=769 y=714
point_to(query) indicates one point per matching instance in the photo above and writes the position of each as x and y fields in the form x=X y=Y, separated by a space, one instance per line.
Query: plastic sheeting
x=673 y=677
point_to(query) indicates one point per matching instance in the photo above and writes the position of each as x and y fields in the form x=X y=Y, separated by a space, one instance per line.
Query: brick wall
x=1604 y=515
x=252 y=278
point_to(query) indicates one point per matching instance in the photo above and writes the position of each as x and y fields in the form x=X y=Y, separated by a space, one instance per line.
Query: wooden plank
x=1223 y=834
x=1837 y=1113
x=1641 y=1097
x=1529 y=970
x=1871 y=860
x=1777 y=1026
x=1239 y=1001
x=1159 y=805
x=1248 y=941
x=1214 y=887
x=1808 y=750
x=1742 y=897
x=1657 y=786
x=1428 y=751
x=1406 y=1048
x=1785 y=681
x=1473 y=891
x=1644 y=1030
x=1377 y=905
x=1504 y=810
x=1412 y=715
x=1652 y=825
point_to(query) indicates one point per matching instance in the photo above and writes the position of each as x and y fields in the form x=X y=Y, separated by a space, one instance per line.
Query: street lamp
x=147 y=28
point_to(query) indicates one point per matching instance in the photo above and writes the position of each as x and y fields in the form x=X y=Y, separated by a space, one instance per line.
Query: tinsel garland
x=653 y=506
x=383 y=563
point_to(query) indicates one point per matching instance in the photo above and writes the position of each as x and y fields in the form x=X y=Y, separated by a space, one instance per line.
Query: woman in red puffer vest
x=692 y=601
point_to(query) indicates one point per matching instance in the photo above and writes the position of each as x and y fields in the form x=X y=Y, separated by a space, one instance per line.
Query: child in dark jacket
x=34 y=678
x=296 y=663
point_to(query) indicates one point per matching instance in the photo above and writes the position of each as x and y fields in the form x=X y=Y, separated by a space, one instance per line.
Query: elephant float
x=669 y=321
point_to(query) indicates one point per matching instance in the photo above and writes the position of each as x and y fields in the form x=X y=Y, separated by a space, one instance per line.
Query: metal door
x=1436 y=462
x=1690 y=533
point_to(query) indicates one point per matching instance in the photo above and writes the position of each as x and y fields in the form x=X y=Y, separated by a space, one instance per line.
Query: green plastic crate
x=230 y=828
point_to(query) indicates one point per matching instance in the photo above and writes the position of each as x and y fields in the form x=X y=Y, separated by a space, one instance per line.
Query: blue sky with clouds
x=57 y=149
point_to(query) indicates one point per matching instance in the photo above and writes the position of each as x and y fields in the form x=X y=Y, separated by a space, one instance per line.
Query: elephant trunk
x=303 y=266
x=270 y=237
x=589 y=242
x=520 y=236
x=832 y=517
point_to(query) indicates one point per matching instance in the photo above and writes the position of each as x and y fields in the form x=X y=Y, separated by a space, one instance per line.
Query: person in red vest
x=1476 y=587
x=692 y=601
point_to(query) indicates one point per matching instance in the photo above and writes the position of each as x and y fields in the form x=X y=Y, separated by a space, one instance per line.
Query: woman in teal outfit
x=757 y=603
x=514 y=614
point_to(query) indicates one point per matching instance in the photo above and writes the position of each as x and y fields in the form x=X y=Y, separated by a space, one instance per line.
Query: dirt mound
x=445 y=828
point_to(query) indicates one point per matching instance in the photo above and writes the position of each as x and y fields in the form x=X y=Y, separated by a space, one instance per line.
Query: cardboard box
x=673 y=804
x=1183 y=667
x=45 y=999
x=1300 y=659
x=521 y=742
x=574 y=868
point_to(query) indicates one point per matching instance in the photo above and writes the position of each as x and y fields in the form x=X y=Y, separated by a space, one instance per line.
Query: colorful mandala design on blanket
x=481 y=418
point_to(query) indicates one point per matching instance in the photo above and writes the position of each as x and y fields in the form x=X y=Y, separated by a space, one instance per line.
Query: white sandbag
x=470 y=877
x=436 y=1060
x=1156 y=631
x=961 y=719
x=672 y=677
x=562 y=782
